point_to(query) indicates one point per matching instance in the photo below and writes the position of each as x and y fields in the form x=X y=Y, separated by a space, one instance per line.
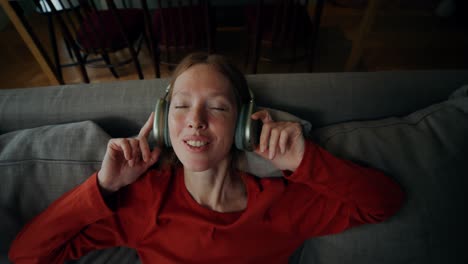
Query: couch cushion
x=427 y=152
x=40 y=164
x=9 y=227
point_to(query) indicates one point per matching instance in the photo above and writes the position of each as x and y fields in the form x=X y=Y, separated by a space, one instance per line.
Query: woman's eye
x=180 y=106
x=218 y=108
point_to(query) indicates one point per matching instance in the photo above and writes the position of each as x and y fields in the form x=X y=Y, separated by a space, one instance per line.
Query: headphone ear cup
x=240 y=129
x=247 y=129
x=167 y=138
x=160 y=122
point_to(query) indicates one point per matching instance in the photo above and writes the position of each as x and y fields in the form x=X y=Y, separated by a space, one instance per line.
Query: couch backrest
x=322 y=98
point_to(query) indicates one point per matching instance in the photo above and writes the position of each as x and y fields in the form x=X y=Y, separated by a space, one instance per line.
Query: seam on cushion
x=17 y=162
x=400 y=122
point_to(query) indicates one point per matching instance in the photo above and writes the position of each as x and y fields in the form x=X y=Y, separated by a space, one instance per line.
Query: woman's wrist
x=105 y=187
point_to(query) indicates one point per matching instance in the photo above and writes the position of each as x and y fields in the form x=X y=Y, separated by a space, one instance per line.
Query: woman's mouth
x=196 y=143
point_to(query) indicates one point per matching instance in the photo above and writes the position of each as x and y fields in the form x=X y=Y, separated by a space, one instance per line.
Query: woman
x=201 y=209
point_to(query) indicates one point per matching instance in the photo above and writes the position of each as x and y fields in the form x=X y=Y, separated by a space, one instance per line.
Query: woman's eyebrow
x=214 y=94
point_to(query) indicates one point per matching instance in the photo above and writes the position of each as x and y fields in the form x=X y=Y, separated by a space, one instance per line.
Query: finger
x=264 y=137
x=283 y=140
x=121 y=144
x=136 y=153
x=272 y=147
x=147 y=127
x=154 y=156
x=262 y=115
x=290 y=131
x=144 y=148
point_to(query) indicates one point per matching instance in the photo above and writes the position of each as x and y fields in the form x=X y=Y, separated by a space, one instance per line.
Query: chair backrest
x=284 y=25
x=90 y=27
x=287 y=19
x=43 y=7
x=177 y=27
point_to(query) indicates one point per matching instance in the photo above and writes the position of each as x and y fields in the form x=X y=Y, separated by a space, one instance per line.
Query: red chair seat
x=101 y=30
x=184 y=26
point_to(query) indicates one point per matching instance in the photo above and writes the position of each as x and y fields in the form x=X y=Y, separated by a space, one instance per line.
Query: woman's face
x=202 y=118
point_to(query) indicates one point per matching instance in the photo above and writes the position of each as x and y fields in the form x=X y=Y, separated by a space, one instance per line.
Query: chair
x=282 y=25
x=90 y=30
x=176 y=28
x=43 y=8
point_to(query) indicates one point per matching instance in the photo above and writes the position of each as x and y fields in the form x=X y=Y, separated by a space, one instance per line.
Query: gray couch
x=404 y=123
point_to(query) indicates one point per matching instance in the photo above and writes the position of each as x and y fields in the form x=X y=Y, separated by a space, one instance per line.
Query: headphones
x=247 y=130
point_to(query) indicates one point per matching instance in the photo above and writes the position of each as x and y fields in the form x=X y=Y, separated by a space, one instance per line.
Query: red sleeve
x=75 y=224
x=329 y=195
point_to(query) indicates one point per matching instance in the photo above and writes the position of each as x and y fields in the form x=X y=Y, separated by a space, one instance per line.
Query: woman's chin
x=204 y=164
x=196 y=166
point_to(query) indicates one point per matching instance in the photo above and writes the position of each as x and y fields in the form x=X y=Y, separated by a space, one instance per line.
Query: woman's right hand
x=126 y=159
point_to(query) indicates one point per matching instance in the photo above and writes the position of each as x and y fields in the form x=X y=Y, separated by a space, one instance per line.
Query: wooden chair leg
x=256 y=54
x=106 y=58
x=155 y=57
x=157 y=62
x=53 y=42
x=136 y=62
x=317 y=18
x=14 y=11
x=247 y=53
x=366 y=24
x=67 y=45
x=258 y=36
x=82 y=64
x=147 y=43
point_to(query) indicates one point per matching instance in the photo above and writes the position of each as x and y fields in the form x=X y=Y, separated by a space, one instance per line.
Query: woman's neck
x=219 y=189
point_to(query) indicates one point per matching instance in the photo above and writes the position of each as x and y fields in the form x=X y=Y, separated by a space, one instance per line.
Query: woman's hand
x=126 y=159
x=281 y=142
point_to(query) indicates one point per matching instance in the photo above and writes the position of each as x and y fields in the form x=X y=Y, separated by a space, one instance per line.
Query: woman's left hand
x=281 y=142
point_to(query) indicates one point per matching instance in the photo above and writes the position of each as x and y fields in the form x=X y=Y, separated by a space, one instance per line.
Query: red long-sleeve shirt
x=157 y=216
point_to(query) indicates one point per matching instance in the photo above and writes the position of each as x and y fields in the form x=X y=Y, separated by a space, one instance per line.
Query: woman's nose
x=197 y=118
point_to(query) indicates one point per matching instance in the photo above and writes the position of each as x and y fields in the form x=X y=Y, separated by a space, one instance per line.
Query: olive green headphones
x=247 y=129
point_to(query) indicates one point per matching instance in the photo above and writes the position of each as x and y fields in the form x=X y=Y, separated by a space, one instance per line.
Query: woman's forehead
x=202 y=79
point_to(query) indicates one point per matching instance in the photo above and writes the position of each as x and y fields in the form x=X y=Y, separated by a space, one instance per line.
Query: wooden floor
x=401 y=39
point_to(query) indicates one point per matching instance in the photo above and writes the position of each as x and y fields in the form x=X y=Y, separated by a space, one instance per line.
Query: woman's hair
x=220 y=64
x=228 y=70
